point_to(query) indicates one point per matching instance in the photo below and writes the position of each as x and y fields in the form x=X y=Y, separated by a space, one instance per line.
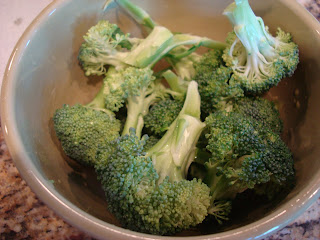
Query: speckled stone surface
x=24 y=216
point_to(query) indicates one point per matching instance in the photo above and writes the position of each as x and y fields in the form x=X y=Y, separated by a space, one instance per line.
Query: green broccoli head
x=216 y=88
x=81 y=129
x=105 y=46
x=148 y=190
x=101 y=40
x=162 y=115
x=121 y=84
x=261 y=110
x=136 y=197
x=244 y=154
x=258 y=60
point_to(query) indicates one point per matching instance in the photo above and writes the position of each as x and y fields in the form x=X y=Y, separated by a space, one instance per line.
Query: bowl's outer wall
x=47 y=75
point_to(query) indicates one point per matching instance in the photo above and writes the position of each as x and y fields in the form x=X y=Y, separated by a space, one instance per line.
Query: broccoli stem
x=135 y=109
x=175 y=83
x=187 y=39
x=175 y=151
x=254 y=37
x=98 y=101
x=137 y=13
x=153 y=48
x=143 y=18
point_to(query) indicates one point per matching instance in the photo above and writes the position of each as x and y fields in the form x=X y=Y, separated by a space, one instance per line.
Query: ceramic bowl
x=43 y=73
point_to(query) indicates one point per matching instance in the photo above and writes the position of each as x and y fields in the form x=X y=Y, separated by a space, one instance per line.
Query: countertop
x=22 y=214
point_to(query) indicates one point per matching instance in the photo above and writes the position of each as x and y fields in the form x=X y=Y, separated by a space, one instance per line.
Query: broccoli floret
x=259 y=60
x=261 y=110
x=81 y=129
x=121 y=84
x=150 y=142
x=164 y=112
x=102 y=39
x=162 y=115
x=137 y=89
x=216 y=88
x=101 y=48
x=138 y=105
x=95 y=53
x=181 y=57
x=244 y=155
x=148 y=191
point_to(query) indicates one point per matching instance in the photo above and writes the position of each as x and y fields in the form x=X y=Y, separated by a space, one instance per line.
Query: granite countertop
x=22 y=214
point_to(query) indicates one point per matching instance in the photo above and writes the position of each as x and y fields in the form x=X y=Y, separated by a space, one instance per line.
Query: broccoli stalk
x=138 y=106
x=181 y=57
x=258 y=59
x=178 y=143
x=137 y=13
x=178 y=85
x=147 y=191
x=95 y=53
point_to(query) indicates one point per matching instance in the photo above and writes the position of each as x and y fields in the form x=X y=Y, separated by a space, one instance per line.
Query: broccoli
x=98 y=50
x=188 y=168
x=259 y=60
x=162 y=115
x=128 y=79
x=81 y=129
x=150 y=142
x=123 y=84
x=244 y=154
x=261 y=110
x=180 y=56
x=141 y=96
x=216 y=87
x=164 y=112
x=95 y=53
x=148 y=190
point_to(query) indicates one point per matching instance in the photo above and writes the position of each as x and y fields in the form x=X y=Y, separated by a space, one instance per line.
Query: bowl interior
x=48 y=75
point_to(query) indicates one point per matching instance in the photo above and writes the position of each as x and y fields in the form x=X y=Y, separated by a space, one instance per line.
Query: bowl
x=43 y=73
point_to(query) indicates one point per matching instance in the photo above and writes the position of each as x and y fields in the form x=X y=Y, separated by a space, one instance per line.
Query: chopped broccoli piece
x=261 y=110
x=81 y=129
x=162 y=115
x=180 y=57
x=95 y=53
x=100 y=50
x=138 y=105
x=124 y=83
x=244 y=154
x=259 y=60
x=216 y=88
x=148 y=191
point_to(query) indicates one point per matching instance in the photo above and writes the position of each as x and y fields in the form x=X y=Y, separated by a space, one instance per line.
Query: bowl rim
x=94 y=226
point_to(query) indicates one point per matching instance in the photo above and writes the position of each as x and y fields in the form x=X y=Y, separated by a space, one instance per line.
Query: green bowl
x=43 y=73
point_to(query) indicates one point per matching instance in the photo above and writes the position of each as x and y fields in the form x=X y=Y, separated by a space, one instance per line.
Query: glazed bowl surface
x=43 y=73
